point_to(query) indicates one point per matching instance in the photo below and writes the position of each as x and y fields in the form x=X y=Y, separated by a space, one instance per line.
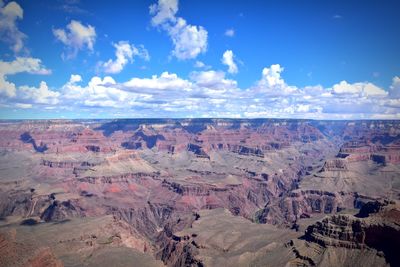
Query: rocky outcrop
x=148 y=220
x=125 y=178
x=380 y=230
x=335 y=165
x=192 y=190
x=338 y=230
x=61 y=210
x=303 y=203
x=67 y=164
x=198 y=151
x=15 y=203
x=23 y=203
x=176 y=250
x=247 y=151
x=380 y=149
x=179 y=253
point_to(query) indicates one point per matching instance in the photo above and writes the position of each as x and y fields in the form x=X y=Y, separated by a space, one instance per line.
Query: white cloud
x=23 y=106
x=209 y=94
x=26 y=96
x=41 y=95
x=19 y=65
x=395 y=87
x=165 y=81
x=230 y=32
x=98 y=81
x=214 y=80
x=393 y=103
x=76 y=37
x=370 y=89
x=75 y=78
x=23 y=64
x=358 y=89
x=9 y=14
x=124 y=53
x=7 y=88
x=98 y=93
x=189 y=40
x=303 y=108
x=9 y=32
x=199 y=64
x=272 y=84
x=271 y=76
x=164 y=11
x=228 y=59
x=273 y=97
x=344 y=88
x=164 y=93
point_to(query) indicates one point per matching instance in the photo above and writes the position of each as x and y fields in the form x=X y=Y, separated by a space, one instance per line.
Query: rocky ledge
x=376 y=226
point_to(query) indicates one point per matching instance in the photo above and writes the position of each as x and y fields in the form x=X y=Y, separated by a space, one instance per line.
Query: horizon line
x=193 y=118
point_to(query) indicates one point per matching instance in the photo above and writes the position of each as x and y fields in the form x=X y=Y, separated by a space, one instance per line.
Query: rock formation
x=154 y=177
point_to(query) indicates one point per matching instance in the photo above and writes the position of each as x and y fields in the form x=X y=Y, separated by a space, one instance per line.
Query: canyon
x=199 y=192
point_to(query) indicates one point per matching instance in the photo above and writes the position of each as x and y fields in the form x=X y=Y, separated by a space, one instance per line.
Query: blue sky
x=169 y=58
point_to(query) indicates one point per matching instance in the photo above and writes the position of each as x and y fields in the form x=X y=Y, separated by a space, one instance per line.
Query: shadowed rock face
x=155 y=176
x=58 y=211
x=198 y=151
x=27 y=138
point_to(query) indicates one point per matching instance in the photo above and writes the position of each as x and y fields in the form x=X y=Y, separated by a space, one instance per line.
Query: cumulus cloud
x=9 y=32
x=213 y=80
x=358 y=89
x=167 y=93
x=40 y=95
x=97 y=93
x=166 y=81
x=211 y=94
x=228 y=59
x=23 y=64
x=163 y=12
x=20 y=96
x=272 y=84
x=273 y=97
x=271 y=77
x=230 y=32
x=19 y=65
x=75 y=78
x=189 y=40
x=7 y=88
x=76 y=37
x=395 y=87
x=124 y=53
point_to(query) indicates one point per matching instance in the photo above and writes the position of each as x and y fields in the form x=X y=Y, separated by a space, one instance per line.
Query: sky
x=190 y=58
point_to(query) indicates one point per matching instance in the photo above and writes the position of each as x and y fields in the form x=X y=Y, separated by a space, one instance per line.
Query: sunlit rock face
x=139 y=188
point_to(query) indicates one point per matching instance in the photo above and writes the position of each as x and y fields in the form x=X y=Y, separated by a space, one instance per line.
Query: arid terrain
x=199 y=192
